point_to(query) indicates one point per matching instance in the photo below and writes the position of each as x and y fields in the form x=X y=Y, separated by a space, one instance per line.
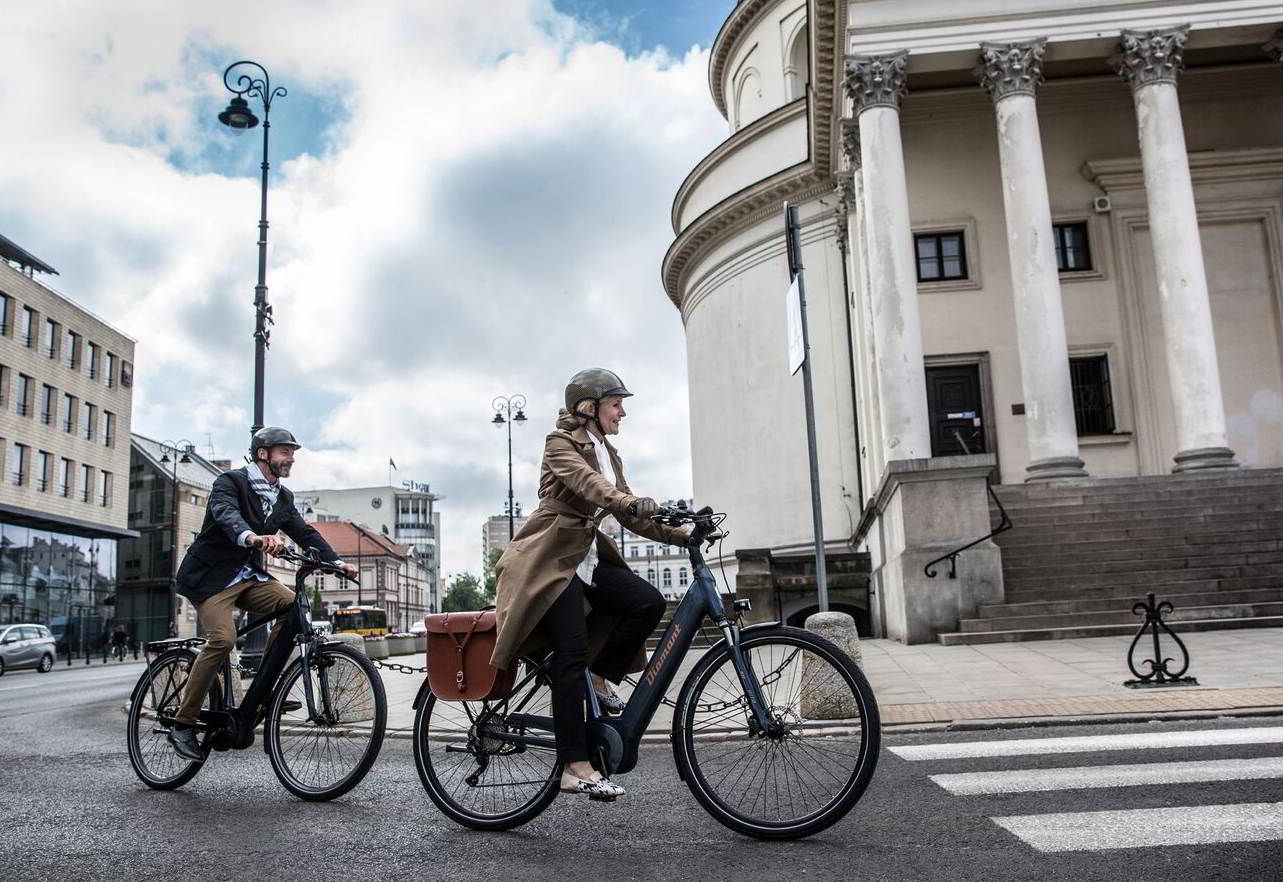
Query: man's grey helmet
x=271 y=436
x=593 y=384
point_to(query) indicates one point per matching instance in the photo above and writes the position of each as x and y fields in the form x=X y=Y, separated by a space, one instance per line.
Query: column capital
x=876 y=80
x=851 y=141
x=1274 y=48
x=1011 y=68
x=1147 y=57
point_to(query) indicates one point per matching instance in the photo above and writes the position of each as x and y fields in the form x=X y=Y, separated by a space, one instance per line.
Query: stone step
x=1174 y=560
x=1143 y=577
x=1161 y=589
x=1103 y=553
x=1125 y=602
x=1121 y=617
x=1074 y=632
x=1169 y=483
x=1171 y=529
x=1133 y=514
x=1220 y=495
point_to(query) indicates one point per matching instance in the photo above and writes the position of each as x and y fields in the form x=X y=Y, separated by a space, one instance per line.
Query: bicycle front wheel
x=476 y=779
x=800 y=780
x=325 y=756
x=152 y=706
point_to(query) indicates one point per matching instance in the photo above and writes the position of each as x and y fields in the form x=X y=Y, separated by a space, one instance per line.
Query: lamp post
x=501 y=406
x=184 y=447
x=239 y=118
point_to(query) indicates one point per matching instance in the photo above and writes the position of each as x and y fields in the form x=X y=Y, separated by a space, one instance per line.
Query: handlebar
x=706 y=522
x=311 y=559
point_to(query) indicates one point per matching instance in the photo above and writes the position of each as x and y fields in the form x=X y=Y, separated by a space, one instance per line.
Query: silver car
x=27 y=646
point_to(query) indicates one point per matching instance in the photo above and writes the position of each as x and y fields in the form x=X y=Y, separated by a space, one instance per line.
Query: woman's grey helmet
x=271 y=436
x=593 y=384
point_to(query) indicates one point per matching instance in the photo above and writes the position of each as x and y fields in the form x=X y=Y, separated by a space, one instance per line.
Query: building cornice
x=745 y=14
x=826 y=21
x=1213 y=166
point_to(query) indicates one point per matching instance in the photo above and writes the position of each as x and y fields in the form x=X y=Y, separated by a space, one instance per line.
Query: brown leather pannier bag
x=459 y=648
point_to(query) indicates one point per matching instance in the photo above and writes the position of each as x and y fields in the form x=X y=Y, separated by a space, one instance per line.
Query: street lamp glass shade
x=520 y=417
x=498 y=420
x=238 y=117
x=185 y=458
x=164 y=457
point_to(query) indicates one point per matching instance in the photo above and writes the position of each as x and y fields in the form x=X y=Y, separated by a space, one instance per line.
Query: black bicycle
x=322 y=708
x=775 y=730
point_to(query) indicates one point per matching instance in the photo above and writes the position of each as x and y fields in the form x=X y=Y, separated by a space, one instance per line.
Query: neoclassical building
x=1042 y=244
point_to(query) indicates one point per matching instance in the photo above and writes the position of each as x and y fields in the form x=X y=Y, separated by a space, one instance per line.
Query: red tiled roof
x=350 y=540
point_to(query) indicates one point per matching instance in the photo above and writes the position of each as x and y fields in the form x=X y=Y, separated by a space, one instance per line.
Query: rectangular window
x=25 y=389
x=1093 y=400
x=49 y=339
x=109 y=371
x=48 y=403
x=64 y=478
x=86 y=482
x=18 y=465
x=1072 y=252
x=108 y=428
x=105 y=498
x=88 y=420
x=4 y=387
x=44 y=463
x=6 y=314
x=126 y=374
x=68 y=413
x=27 y=326
x=71 y=349
x=91 y=363
x=941 y=256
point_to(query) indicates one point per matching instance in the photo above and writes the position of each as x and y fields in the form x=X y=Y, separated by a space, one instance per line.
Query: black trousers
x=615 y=590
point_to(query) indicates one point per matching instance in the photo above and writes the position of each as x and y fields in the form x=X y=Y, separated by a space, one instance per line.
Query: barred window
x=1093 y=399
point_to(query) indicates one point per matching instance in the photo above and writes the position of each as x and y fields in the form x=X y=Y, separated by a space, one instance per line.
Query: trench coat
x=541 y=559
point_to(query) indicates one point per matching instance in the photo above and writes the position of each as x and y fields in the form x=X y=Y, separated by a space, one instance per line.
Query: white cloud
x=487 y=215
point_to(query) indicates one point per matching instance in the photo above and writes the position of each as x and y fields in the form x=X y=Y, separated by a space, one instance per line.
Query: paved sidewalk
x=930 y=684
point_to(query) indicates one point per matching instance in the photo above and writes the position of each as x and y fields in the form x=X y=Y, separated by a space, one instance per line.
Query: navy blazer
x=215 y=558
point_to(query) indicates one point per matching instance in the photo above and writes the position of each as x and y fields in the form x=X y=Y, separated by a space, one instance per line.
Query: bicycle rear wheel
x=479 y=781
x=152 y=706
x=319 y=759
x=807 y=777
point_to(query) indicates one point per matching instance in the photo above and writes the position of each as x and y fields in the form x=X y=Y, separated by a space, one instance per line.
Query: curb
x=997 y=723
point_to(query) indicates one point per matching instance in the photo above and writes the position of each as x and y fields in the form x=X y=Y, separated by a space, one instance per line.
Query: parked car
x=27 y=646
x=418 y=628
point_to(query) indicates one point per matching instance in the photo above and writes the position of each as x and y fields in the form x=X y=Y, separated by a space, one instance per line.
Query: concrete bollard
x=376 y=648
x=825 y=695
x=356 y=641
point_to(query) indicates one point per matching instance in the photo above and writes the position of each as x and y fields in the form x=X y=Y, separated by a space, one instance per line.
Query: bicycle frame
x=618 y=738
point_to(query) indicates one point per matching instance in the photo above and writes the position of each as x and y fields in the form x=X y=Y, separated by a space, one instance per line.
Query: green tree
x=466 y=593
x=489 y=578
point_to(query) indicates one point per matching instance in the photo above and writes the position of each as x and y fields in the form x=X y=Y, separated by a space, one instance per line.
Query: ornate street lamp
x=183 y=447
x=239 y=119
x=501 y=406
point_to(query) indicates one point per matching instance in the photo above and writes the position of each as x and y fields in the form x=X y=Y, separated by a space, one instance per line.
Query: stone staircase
x=1082 y=553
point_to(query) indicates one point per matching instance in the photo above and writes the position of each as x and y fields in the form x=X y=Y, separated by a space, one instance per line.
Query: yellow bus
x=360 y=620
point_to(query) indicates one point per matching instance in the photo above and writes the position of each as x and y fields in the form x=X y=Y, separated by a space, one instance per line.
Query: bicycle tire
x=430 y=751
x=167 y=770
x=349 y=700
x=814 y=750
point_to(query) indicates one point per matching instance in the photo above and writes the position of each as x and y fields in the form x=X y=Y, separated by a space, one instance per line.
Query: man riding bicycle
x=224 y=570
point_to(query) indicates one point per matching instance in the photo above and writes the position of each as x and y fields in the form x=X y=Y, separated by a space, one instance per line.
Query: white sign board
x=797 y=353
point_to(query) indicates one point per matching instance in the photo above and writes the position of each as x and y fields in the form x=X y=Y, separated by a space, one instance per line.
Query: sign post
x=800 y=355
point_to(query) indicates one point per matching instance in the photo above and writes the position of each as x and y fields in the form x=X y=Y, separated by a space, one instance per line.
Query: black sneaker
x=185 y=744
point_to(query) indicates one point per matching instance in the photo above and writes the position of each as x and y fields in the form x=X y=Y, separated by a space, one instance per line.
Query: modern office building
x=405 y=514
x=495 y=534
x=66 y=387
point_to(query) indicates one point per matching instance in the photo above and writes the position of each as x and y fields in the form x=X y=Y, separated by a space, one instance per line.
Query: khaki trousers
x=218 y=615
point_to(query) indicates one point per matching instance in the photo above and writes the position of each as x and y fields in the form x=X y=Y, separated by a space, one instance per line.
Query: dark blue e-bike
x=775 y=730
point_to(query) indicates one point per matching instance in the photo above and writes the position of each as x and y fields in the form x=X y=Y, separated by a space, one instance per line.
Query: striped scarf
x=267 y=492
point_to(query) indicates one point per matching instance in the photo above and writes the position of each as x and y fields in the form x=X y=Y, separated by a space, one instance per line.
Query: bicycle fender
x=423 y=693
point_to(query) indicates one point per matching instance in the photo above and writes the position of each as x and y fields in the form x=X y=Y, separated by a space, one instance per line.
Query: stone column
x=1149 y=62
x=876 y=85
x=1011 y=73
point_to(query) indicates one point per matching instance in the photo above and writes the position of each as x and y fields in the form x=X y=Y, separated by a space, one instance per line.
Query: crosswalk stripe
x=1130 y=775
x=1090 y=743
x=1135 y=828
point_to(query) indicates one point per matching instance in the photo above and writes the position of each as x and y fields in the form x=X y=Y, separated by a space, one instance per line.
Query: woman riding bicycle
x=560 y=559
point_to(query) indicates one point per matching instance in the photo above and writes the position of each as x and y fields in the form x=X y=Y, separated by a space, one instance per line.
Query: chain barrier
x=399 y=668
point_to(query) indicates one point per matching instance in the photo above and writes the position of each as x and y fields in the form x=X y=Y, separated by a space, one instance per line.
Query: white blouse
x=607 y=468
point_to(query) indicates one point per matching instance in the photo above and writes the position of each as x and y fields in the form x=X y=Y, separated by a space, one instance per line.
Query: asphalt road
x=72 y=809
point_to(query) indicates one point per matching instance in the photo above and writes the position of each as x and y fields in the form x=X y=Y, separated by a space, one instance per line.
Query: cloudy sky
x=468 y=198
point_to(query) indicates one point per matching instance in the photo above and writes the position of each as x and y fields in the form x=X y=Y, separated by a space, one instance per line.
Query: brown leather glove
x=642 y=507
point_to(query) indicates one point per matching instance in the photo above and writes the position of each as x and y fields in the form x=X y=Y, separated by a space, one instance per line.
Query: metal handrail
x=1003 y=526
